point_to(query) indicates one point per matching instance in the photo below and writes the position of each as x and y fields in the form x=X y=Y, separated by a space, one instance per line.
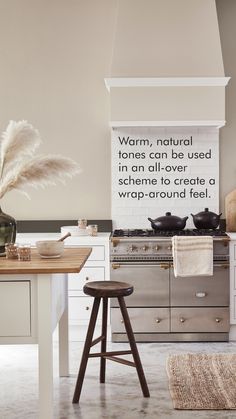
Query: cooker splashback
x=155 y=170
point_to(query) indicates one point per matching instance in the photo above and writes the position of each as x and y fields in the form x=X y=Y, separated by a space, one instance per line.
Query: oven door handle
x=162 y=265
x=224 y=265
x=119 y=265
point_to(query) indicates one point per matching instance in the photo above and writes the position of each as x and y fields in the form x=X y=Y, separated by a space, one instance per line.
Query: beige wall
x=167 y=103
x=54 y=57
x=227 y=18
x=167 y=38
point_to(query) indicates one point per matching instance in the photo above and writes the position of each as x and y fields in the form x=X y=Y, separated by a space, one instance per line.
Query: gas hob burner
x=131 y=233
x=168 y=233
x=215 y=233
x=190 y=232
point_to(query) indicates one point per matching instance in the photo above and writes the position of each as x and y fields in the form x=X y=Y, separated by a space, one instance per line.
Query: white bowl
x=50 y=248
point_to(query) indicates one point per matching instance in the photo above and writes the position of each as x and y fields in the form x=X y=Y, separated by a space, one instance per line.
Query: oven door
x=200 y=304
x=150 y=282
x=211 y=291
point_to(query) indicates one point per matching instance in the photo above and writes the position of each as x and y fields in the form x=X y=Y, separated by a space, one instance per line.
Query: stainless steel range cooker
x=163 y=307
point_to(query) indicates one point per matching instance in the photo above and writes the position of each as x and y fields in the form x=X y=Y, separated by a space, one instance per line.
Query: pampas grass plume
x=19 y=168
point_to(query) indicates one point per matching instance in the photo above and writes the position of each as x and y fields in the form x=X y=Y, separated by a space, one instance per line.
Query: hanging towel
x=192 y=256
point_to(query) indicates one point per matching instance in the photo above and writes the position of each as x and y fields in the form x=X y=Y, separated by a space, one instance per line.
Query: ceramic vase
x=7 y=230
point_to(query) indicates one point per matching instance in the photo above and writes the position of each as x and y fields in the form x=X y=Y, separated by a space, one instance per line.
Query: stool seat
x=108 y=289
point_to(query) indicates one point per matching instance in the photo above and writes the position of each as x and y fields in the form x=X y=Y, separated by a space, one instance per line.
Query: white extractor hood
x=167 y=67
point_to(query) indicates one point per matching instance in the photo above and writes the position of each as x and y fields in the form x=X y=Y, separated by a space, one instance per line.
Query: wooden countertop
x=72 y=260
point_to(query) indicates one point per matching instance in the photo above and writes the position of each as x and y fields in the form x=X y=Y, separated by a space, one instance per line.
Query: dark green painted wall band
x=54 y=226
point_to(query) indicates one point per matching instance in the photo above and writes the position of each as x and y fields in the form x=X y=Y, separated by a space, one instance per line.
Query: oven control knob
x=144 y=248
x=131 y=248
x=169 y=247
x=156 y=248
x=182 y=319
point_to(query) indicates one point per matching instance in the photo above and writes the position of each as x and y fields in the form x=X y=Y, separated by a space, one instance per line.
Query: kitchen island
x=33 y=300
x=97 y=268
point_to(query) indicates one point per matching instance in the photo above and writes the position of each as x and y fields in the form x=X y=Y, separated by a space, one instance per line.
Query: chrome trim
x=133 y=263
x=146 y=258
x=156 y=258
x=201 y=294
x=221 y=265
x=221 y=238
x=173 y=337
x=160 y=238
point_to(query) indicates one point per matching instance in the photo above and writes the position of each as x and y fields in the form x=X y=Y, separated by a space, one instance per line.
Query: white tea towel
x=192 y=256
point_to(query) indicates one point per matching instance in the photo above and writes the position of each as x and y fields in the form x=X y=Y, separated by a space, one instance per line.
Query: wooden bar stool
x=105 y=290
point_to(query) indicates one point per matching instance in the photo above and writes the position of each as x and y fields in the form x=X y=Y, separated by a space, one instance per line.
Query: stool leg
x=133 y=347
x=104 y=341
x=87 y=346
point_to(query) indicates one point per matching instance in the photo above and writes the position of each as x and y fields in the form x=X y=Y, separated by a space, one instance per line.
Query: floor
x=119 y=398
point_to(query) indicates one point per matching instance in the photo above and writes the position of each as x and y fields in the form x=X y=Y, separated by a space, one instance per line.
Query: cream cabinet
x=79 y=304
x=17 y=294
x=97 y=268
x=232 y=278
x=18 y=308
